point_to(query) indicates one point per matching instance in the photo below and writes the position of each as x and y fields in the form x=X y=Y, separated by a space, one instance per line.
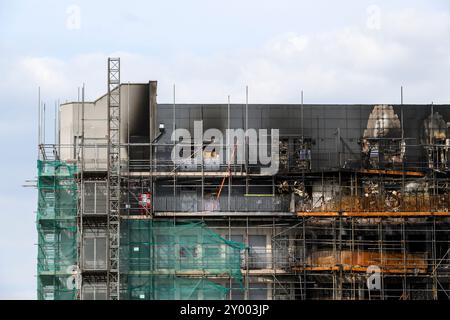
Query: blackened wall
x=320 y=122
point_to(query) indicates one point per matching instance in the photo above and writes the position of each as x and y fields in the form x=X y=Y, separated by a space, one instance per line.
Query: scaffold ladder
x=113 y=223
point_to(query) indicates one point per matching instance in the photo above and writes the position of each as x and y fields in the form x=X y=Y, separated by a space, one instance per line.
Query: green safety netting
x=57 y=230
x=57 y=246
x=146 y=287
x=57 y=189
x=163 y=260
x=56 y=287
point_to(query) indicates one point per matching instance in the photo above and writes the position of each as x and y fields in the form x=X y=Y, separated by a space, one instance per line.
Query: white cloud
x=45 y=71
x=288 y=44
x=352 y=64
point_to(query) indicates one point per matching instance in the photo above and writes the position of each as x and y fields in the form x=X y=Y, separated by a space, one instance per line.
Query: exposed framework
x=374 y=201
x=113 y=276
x=320 y=255
x=411 y=257
x=323 y=227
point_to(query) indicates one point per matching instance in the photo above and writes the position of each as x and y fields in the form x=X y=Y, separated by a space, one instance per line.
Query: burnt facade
x=358 y=209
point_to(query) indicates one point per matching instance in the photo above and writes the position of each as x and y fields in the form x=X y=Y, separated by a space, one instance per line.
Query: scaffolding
x=167 y=260
x=410 y=255
x=113 y=218
x=362 y=193
x=57 y=230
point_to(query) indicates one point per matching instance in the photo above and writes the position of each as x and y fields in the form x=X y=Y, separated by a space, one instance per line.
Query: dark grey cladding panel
x=182 y=111
x=320 y=123
x=219 y=123
x=165 y=113
x=335 y=122
x=352 y=133
x=194 y=113
x=254 y=123
x=275 y=112
x=334 y=112
x=183 y=123
x=316 y=112
x=215 y=111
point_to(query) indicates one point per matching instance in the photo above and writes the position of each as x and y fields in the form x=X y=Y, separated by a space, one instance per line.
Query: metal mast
x=113 y=224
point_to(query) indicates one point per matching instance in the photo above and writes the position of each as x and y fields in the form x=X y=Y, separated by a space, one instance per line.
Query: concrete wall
x=135 y=123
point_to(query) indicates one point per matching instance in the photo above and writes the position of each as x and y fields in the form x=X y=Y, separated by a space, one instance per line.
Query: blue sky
x=336 y=51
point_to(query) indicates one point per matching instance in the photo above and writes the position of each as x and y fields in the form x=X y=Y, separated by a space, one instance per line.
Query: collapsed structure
x=358 y=209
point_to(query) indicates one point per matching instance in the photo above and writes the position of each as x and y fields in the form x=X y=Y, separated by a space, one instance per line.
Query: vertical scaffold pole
x=113 y=223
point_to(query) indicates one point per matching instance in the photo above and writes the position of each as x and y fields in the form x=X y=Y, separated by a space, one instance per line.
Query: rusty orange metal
x=359 y=261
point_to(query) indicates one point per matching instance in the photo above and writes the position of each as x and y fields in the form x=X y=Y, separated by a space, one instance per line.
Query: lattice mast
x=113 y=223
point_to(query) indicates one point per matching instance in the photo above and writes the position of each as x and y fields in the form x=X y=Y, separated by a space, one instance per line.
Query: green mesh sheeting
x=57 y=190
x=56 y=288
x=161 y=257
x=146 y=287
x=57 y=246
x=57 y=230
